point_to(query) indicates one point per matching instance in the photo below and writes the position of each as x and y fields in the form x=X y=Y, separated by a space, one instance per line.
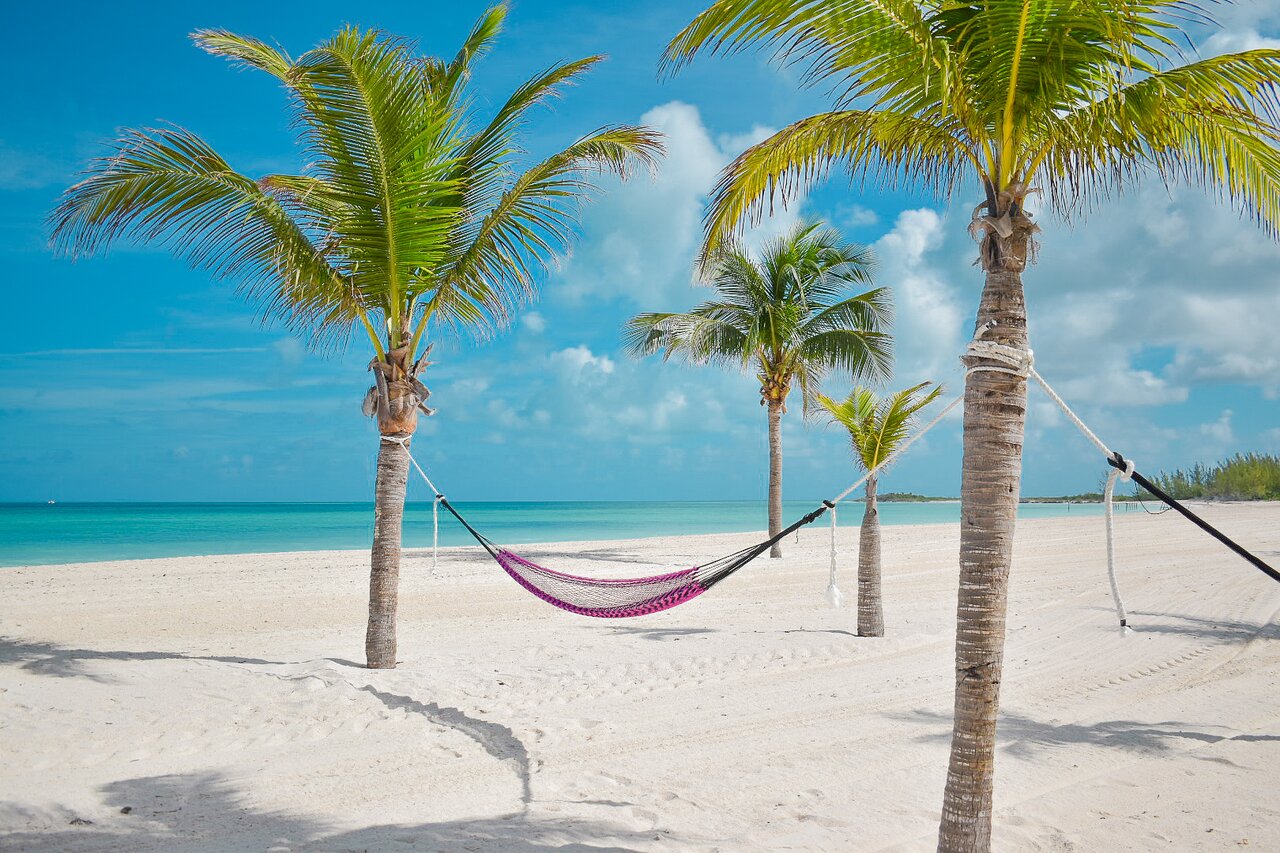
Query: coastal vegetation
x=1243 y=477
x=1076 y=100
x=414 y=218
x=786 y=316
x=877 y=426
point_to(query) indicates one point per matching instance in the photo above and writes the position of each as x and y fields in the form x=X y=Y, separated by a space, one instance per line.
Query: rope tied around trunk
x=1017 y=362
x=403 y=441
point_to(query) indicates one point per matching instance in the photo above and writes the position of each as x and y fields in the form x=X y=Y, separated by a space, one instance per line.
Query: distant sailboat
x=52 y=502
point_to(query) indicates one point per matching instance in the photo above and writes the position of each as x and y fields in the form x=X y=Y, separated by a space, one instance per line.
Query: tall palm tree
x=876 y=426
x=412 y=218
x=1079 y=98
x=787 y=317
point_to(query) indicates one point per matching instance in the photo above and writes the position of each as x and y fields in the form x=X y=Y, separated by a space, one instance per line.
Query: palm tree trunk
x=994 y=418
x=870 y=603
x=384 y=571
x=775 y=475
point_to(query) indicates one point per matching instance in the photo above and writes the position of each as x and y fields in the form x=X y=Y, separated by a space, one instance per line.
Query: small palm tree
x=787 y=317
x=1079 y=98
x=876 y=427
x=412 y=218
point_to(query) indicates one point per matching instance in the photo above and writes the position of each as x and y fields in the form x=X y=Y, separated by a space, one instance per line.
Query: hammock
x=607 y=598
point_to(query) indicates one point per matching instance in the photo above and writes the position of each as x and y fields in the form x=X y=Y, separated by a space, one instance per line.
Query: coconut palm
x=1077 y=98
x=877 y=426
x=412 y=219
x=787 y=317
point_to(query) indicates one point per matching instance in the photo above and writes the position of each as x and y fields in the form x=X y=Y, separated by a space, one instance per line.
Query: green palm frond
x=788 y=315
x=169 y=187
x=1085 y=96
x=497 y=259
x=888 y=147
x=877 y=426
x=412 y=208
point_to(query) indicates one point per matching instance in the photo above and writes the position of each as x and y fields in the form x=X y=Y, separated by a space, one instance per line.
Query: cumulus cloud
x=928 y=318
x=581 y=366
x=534 y=322
x=640 y=240
x=1219 y=430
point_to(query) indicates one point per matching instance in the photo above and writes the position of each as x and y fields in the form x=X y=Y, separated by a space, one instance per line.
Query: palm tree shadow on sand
x=62 y=662
x=1024 y=736
x=203 y=813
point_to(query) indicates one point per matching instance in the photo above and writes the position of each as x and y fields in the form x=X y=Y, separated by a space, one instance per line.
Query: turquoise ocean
x=40 y=534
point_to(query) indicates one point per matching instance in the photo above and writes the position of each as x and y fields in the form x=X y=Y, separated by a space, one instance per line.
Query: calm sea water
x=38 y=534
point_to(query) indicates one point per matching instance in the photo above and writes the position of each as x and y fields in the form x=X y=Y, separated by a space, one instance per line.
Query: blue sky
x=129 y=377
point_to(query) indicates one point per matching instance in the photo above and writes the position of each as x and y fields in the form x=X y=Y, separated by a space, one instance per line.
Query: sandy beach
x=206 y=704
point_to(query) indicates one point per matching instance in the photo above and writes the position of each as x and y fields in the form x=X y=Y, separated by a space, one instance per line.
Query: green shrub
x=1243 y=477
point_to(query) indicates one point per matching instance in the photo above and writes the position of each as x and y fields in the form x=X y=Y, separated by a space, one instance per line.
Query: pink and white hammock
x=619 y=598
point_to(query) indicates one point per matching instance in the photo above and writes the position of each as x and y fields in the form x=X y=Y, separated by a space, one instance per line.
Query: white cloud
x=534 y=322
x=856 y=216
x=641 y=239
x=1235 y=41
x=928 y=319
x=1220 y=430
x=580 y=365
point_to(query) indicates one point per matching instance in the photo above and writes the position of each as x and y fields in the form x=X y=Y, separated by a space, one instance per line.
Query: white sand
x=216 y=699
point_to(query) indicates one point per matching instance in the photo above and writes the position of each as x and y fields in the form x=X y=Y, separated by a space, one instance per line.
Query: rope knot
x=1015 y=361
x=1124 y=466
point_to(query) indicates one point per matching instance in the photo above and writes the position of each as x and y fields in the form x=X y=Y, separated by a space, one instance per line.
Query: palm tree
x=412 y=219
x=788 y=318
x=1077 y=98
x=877 y=426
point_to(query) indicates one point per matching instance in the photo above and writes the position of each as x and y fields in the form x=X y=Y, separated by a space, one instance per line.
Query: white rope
x=403 y=441
x=834 y=595
x=1111 y=547
x=435 y=534
x=1018 y=362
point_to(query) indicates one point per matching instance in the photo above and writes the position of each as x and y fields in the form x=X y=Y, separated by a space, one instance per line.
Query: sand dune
x=207 y=704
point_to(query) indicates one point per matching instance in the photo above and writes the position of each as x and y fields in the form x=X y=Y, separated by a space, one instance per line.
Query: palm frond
x=883 y=146
x=497 y=260
x=169 y=187
x=878 y=425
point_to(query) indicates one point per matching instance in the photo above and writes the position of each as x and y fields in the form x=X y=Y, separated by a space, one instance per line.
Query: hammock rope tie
x=1021 y=362
x=834 y=595
x=403 y=441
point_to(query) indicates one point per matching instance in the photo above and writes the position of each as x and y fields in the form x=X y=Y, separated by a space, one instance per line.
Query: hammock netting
x=616 y=598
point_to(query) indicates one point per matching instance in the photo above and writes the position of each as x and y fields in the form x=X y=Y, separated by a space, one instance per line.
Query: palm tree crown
x=787 y=316
x=877 y=425
x=1078 y=97
x=411 y=212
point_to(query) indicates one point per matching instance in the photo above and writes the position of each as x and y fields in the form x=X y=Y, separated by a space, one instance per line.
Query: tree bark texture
x=775 y=475
x=870 y=602
x=994 y=420
x=384 y=567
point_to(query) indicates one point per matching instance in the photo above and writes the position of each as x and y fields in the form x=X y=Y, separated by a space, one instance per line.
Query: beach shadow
x=61 y=662
x=204 y=813
x=1217 y=630
x=825 y=631
x=659 y=634
x=496 y=739
x=1024 y=736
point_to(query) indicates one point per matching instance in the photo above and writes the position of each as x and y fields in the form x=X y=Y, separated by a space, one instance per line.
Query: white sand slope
x=216 y=702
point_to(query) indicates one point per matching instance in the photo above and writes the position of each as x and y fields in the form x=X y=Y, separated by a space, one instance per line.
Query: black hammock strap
x=1115 y=460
